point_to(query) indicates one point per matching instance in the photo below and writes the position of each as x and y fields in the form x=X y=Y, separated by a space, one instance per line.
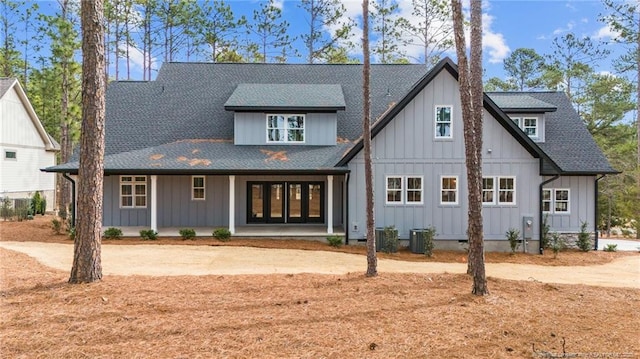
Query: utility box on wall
x=527 y=231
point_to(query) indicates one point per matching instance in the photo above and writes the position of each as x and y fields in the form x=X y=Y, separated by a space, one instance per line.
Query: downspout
x=595 y=219
x=541 y=213
x=346 y=204
x=73 y=199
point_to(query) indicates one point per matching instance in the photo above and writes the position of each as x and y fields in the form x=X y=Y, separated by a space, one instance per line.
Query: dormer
x=526 y=111
x=286 y=114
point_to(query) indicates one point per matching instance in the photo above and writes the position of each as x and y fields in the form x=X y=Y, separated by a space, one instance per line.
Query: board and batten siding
x=114 y=216
x=21 y=177
x=177 y=209
x=581 y=204
x=407 y=147
x=250 y=128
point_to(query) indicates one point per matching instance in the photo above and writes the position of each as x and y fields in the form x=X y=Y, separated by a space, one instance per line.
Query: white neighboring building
x=25 y=147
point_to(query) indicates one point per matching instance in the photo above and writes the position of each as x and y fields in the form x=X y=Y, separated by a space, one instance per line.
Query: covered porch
x=312 y=231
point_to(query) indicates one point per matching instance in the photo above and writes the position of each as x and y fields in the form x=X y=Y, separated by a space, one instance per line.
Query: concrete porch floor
x=259 y=230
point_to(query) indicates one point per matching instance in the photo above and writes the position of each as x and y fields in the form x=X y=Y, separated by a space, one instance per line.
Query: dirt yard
x=395 y=315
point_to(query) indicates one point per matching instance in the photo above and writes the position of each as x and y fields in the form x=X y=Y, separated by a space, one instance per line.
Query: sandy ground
x=177 y=260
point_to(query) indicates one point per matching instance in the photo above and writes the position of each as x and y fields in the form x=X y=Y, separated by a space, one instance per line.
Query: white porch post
x=154 y=203
x=329 y=204
x=232 y=204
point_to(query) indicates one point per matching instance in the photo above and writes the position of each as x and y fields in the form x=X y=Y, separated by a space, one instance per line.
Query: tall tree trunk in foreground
x=471 y=96
x=87 y=266
x=372 y=259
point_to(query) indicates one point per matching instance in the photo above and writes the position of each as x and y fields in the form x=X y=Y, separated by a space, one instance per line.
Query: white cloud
x=494 y=42
x=606 y=32
x=278 y=3
x=136 y=57
x=562 y=30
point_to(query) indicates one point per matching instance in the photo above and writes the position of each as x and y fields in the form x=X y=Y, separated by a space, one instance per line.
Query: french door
x=285 y=202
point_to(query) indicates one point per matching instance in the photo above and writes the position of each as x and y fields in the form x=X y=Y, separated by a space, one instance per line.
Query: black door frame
x=286 y=218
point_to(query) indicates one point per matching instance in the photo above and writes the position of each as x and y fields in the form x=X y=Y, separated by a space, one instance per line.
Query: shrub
x=545 y=238
x=513 y=236
x=428 y=235
x=390 y=244
x=72 y=233
x=557 y=244
x=222 y=234
x=626 y=233
x=6 y=210
x=56 y=224
x=113 y=233
x=187 y=233
x=149 y=234
x=584 y=238
x=611 y=248
x=38 y=204
x=335 y=241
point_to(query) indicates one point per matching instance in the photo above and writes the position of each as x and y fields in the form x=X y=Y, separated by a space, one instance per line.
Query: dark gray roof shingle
x=520 y=102
x=286 y=97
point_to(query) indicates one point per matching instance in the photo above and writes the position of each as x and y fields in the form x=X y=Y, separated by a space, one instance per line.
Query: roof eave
x=287 y=109
x=529 y=109
x=168 y=171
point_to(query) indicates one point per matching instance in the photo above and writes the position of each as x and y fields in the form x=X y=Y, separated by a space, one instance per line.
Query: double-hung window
x=285 y=128
x=394 y=190
x=197 y=188
x=530 y=126
x=414 y=190
x=404 y=189
x=133 y=191
x=506 y=190
x=488 y=190
x=443 y=121
x=449 y=190
x=555 y=200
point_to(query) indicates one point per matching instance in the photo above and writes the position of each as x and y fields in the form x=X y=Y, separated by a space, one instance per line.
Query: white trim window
x=556 y=200
x=547 y=200
x=488 y=190
x=506 y=190
x=449 y=190
x=11 y=155
x=285 y=128
x=443 y=121
x=198 y=188
x=530 y=126
x=414 y=190
x=393 y=190
x=133 y=191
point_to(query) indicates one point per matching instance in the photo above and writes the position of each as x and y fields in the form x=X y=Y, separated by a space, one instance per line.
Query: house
x=25 y=147
x=275 y=149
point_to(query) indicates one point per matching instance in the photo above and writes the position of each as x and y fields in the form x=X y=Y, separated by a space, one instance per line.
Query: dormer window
x=528 y=125
x=285 y=128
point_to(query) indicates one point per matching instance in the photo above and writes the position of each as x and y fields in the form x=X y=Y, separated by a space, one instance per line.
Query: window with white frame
x=10 y=155
x=197 y=188
x=443 y=121
x=530 y=126
x=414 y=190
x=449 y=190
x=506 y=190
x=556 y=200
x=488 y=190
x=285 y=128
x=394 y=190
x=133 y=191
x=547 y=200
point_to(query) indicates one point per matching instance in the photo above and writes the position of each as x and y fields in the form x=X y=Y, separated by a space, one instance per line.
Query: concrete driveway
x=163 y=260
x=623 y=245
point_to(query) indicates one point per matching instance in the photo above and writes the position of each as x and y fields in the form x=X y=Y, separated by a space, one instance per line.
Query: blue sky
x=508 y=25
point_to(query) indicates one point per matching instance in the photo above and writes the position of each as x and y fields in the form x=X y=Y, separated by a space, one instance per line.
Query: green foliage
x=390 y=240
x=72 y=233
x=149 y=234
x=222 y=234
x=557 y=244
x=611 y=248
x=335 y=241
x=113 y=233
x=545 y=238
x=38 y=204
x=187 y=233
x=6 y=208
x=584 y=238
x=429 y=235
x=56 y=224
x=513 y=236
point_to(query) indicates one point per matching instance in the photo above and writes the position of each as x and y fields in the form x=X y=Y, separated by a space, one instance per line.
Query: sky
x=508 y=25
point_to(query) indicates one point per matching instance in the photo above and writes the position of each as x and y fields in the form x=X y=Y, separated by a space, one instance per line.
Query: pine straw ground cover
x=307 y=316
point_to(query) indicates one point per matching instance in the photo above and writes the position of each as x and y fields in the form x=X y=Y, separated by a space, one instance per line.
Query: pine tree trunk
x=372 y=259
x=87 y=265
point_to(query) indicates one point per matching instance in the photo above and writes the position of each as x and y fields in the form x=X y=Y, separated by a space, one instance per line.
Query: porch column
x=154 y=203
x=329 y=204
x=232 y=204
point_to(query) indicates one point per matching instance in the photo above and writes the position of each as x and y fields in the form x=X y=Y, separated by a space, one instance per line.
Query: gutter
x=346 y=203
x=555 y=177
x=595 y=219
x=73 y=199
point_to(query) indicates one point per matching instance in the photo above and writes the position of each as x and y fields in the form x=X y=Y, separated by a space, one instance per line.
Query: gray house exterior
x=275 y=149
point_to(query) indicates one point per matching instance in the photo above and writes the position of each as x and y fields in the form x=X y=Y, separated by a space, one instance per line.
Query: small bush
x=72 y=233
x=113 y=233
x=38 y=204
x=626 y=233
x=6 y=208
x=429 y=234
x=584 y=238
x=187 y=233
x=611 y=248
x=557 y=244
x=513 y=236
x=56 y=224
x=390 y=240
x=222 y=234
x=546 y=228
x=335 y=241
x=149 y=234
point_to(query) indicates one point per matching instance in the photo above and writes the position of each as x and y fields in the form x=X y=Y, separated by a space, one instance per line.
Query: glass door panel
x=295 y=202
x=256 y=202
x=315 y=202
x=276 y=202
